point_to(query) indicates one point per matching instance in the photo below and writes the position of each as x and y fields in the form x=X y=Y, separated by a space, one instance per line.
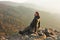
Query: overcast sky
x=52 y=6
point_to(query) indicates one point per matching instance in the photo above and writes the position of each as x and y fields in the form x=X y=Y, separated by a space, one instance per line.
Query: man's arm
x=39 y=24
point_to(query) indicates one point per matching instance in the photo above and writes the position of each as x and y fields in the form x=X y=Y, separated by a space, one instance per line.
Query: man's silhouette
x=34 y=26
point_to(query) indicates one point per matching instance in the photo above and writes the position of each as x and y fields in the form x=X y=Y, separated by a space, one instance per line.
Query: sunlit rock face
x=35 y=37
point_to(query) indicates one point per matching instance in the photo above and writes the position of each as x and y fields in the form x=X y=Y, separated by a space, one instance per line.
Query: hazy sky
x=47 y=5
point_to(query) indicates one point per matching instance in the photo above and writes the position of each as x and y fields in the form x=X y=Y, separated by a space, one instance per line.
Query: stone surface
x=41 y=36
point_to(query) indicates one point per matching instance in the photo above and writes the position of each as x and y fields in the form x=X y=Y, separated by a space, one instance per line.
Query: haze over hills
x=17 y=16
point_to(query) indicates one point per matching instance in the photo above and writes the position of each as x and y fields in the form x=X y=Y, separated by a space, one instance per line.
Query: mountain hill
x=15 y=17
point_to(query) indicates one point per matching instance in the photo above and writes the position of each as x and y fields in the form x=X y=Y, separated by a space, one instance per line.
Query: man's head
x=36 y=14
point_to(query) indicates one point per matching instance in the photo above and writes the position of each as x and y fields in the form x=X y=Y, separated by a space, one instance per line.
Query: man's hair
x=37 y=13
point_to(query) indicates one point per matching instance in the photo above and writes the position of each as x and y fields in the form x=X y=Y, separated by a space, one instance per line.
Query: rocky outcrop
x=43 y=34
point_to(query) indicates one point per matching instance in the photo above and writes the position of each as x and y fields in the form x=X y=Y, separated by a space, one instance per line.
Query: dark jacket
x=35 y=23
x=33 y=26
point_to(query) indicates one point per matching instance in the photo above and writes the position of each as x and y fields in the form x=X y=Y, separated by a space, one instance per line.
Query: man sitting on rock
x=34 y=26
